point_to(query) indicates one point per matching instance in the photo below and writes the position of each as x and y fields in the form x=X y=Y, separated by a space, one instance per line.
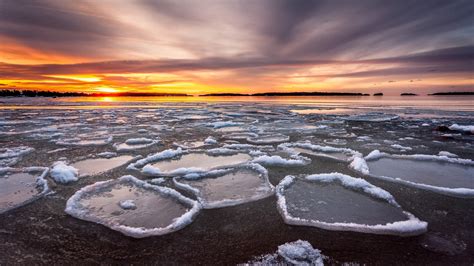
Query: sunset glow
x=235 y=46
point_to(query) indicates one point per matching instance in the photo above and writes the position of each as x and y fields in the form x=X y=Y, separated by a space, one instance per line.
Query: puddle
x=96 y=166
x=19 y=188
x=230 y=188
x=198 y=162
x=133 y=207
x=433 y=173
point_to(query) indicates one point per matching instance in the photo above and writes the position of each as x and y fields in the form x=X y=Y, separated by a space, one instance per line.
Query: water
x=441 y=103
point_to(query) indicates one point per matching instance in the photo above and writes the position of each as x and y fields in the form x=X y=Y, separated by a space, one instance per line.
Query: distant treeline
x=454 y=93
x=35 y=93
x=291 y=94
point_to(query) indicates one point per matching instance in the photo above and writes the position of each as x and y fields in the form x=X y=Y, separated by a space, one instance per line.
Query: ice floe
x=446 y=175
x=94 y=166
x=462 y=128
x=340 y=154
x=343 y=203
x=193 y=162
x=228 y=187
x=298 y=252
x=11 y=156
x=20 y=186
x=135 y=144
x=98 y=141
x=371 y=117
x=157 y=210
x=268 y=139
x=276 y=160
x=63 y=173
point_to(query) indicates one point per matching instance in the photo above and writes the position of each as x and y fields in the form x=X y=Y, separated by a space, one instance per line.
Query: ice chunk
x=340 y=154
x=92 y=141
x=340 y=202
x=298 y=252
x=163 y=155
x=21 y=186
x=268 y=139
x=63 y=173
x=135 y=144
x=228 y=187
x=280 y=161
x=447 y=154
x=400 y=147
x=210 y=140
x=221 y=124
x=462 y=128
x=128 y=204
x=371 y=117
x=10 y=156
x=158 y=210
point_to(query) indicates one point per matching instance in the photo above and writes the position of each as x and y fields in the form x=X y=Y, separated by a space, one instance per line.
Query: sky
x=246 y=46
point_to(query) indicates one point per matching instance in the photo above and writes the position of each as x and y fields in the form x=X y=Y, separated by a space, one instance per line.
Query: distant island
x=289 y=94
x=453 y=93
x=378 y=94
x=34 y=93
x=408 y=94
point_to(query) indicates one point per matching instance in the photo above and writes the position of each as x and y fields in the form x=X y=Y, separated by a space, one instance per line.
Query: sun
x=105 y=89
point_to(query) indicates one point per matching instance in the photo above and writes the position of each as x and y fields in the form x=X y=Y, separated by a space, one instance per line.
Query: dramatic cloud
x=205 y=46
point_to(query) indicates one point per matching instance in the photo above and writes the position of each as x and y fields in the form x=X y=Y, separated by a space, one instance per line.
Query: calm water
x=447 y=103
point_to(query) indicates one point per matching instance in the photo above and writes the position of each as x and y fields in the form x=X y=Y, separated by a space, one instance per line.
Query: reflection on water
x=451 y=103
